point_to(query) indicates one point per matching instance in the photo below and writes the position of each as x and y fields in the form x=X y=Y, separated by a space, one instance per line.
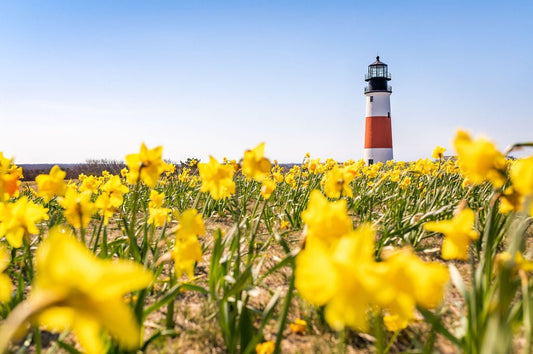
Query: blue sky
x=94 y=79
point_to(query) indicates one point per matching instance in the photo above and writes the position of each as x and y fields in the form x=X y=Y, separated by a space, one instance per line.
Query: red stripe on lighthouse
x=378 y=132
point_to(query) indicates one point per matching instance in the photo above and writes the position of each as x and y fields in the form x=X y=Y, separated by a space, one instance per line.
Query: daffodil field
x=245 y=255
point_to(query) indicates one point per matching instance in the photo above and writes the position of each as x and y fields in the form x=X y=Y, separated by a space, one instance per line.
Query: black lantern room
x=377 y=77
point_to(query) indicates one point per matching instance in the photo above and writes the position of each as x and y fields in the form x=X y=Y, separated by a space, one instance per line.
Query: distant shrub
x=96 y=166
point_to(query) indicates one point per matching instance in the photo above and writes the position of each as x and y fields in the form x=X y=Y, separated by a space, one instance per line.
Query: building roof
x=377 y=62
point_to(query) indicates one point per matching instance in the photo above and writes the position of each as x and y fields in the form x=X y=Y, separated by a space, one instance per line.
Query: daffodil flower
x=52 y=184
x=217 y=179
x=75 y=290
x=255 y=165
x=458 y=234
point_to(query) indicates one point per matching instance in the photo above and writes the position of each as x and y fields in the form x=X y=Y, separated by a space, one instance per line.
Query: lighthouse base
x=377 y=155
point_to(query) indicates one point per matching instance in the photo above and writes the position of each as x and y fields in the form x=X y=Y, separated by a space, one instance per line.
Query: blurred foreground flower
x=158 y=215
x=521 y=173
x=52 y=184
x=187 y=249
x=5 y=282
x=325 y=220
x=337 y=268
x=217 y=179
x=267 y=187
x=351 y=284
x=479 y=160
x=255 y=165
x=458 y=232
x=75 y=290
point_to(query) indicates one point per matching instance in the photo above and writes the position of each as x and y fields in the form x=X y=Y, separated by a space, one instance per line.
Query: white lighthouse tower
x=378 y=132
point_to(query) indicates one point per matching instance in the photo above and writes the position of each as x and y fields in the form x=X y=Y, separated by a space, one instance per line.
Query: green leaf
x=457 y=280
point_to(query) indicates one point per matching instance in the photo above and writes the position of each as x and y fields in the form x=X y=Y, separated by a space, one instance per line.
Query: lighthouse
x=378 y=132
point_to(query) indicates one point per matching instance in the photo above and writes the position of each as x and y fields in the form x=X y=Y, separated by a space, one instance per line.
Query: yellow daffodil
x=190 y=222
x=458 y=234
x=78 y=207
x=146 y=166
x=111 y=198
x=267 y=187
x=406 y=181
x=18 y=219
x=184 y=175
x=326 y=220
x=337 y=269
x=316 y=278
x=394 y=322
x=73 y=289
x=285 y=224
x=265 y=347
x=313 y=165
x=521 y=173
x=411 y=282
x=158 y=216
x=510 y=200
x=106 y=175
x=115 y=189
x=255 y=165
x=52 y=184
x=156 y=199
x=372 y=171
x=105 y=207
x=233 y=163
x=90 y=184
x=170 y=168
x=519 y=263
x=5 y=282
x=347 y=279
x=217 y=179
x=290 y=180
x=298 y=326
x=480 y=160
x=278 y=176
x=10 y=175
x=395 y=175
x=187 y=249
x=438 y=152
x=337 y=183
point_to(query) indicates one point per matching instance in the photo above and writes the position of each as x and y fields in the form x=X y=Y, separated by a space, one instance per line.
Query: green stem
x=37 y=339
x=169 y=319
x=341 y=341
x=391 y=342
x=95 y=245
x=526 y=303
x=284 y=312
x=253 y=231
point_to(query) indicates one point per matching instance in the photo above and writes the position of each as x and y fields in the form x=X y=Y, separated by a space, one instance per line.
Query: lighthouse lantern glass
x=378 y=71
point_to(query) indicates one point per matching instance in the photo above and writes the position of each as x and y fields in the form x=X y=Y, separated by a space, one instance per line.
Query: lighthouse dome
x=377 y=62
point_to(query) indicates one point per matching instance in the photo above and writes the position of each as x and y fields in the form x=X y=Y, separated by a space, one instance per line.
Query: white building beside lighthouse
x=378 y=131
